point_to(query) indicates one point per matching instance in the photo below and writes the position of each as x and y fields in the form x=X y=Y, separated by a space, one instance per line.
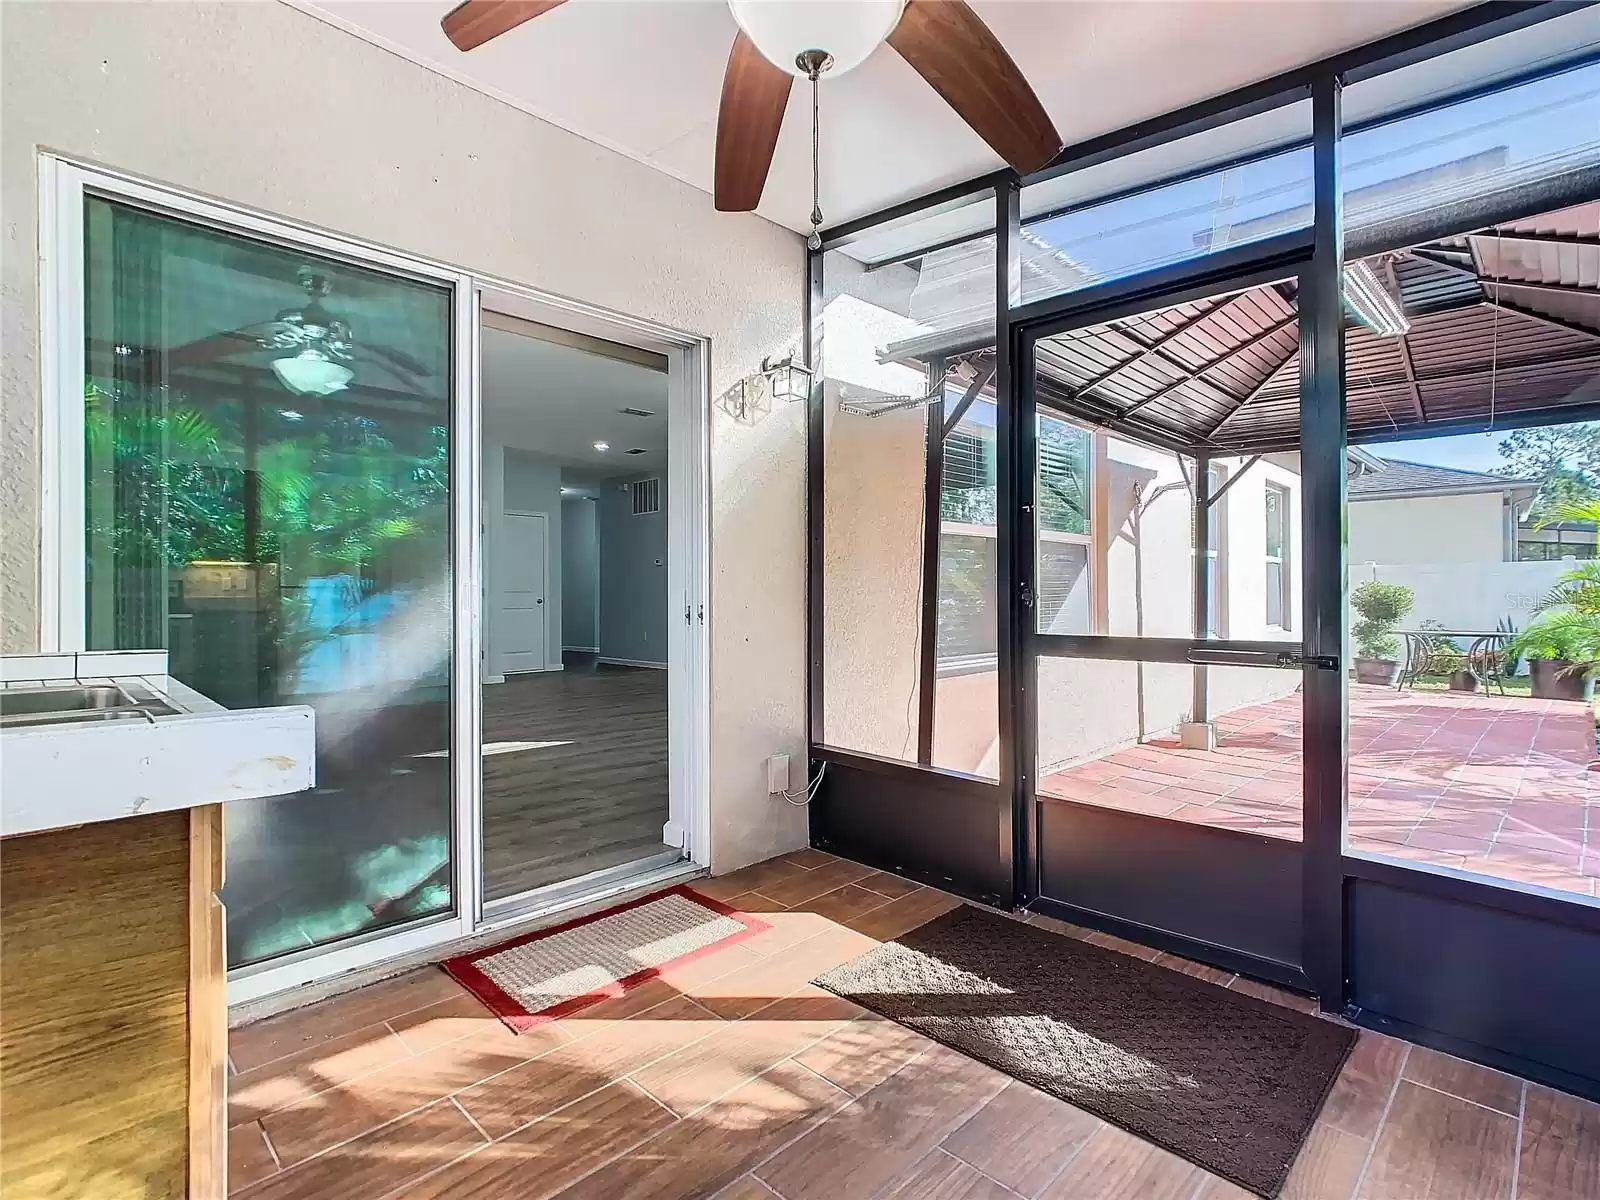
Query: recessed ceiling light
x=602 y=446
x=637 y=450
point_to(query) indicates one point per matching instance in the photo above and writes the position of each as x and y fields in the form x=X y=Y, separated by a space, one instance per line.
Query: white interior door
x=521 y=625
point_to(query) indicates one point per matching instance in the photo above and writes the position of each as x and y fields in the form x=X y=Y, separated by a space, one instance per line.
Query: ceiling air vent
x=636 y=412
x=646 y=496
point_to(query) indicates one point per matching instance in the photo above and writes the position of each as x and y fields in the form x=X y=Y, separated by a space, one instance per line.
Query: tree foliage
x=1566 y=458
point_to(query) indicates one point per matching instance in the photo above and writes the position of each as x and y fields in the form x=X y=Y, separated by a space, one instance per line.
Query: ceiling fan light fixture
x=312 y=373
x=791 y=33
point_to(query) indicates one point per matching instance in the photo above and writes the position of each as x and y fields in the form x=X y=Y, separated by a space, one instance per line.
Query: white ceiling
x=644 y=77
x=557 y=401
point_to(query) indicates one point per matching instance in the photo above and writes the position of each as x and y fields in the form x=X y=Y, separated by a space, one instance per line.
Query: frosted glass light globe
x=848 y=30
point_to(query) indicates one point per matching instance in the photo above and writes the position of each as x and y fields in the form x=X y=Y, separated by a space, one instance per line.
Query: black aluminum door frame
x=1298 y=256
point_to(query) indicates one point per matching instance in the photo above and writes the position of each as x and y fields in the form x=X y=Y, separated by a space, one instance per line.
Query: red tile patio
x=1493 y=784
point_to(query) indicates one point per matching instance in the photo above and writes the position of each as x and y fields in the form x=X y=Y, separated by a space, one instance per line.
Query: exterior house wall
x=265 y=106
x=1466 y=528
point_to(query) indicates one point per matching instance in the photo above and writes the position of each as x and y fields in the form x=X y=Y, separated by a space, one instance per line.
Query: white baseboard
x=633 y=662
x=494 y=678
x=555 y=666
x=582 y=649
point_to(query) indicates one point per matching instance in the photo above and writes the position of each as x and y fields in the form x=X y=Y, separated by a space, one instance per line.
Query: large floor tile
x=1560 y=1157
x=866 y=1144
x=1022 y=1137
x=1439 y=1147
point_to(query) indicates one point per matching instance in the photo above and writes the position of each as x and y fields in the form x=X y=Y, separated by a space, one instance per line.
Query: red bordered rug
x=555 y=972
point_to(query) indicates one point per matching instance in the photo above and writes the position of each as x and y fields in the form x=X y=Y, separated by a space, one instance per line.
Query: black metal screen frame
x=1334 y=966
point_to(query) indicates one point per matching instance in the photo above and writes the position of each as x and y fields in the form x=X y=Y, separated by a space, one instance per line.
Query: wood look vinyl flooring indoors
x=574 y=773
x=731 y=1077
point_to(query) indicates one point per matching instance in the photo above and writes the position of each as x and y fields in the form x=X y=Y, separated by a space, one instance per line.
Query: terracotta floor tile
x=786 y=929
x=262 y=1041
x=756 y=878
x=327 y=1118
x=1188 y=966
x=540 y=1159
x=447 y=1021
x=903 y=915
x=378 y=1163
x=1114 y=1165
x=1122 y=946
x=1328 y=1167
x=809 y=858
x=691 y=1078
x=1054 y=925
x=865 y=1145
x=1278 y=995
x=534 y=1089
x=323 y=1065
x=1560 y=1147
x=748 y=1188
x=1356 y=1103
x=1443 y=1073
x=941 y=1177
x=1022 y=1137
x=1438 y=1147
x=754 y=902
x=744 y=991
x=891 y=886
x=718 y=1144
x=863 y=1054
x=851 y=900
x=810 y=1003
x=249 y=1159
x=799 y=888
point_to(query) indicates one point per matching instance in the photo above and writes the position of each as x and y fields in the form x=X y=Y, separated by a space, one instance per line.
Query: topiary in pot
x=1381 y=606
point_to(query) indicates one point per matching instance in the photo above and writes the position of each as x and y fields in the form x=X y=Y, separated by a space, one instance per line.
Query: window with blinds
x=1061 y=576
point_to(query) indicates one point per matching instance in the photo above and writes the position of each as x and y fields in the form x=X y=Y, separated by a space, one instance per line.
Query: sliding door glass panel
x=577 y=615
x=267 y=450
x=1470 y=548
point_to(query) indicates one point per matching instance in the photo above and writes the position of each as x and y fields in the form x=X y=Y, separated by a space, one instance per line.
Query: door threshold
x=662 y=869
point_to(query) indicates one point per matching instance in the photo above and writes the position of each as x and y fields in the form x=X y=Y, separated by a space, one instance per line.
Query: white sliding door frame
x=688 y=531
x=63 y=186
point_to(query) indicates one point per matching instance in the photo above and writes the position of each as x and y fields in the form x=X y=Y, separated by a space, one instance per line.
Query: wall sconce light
x=787 y=379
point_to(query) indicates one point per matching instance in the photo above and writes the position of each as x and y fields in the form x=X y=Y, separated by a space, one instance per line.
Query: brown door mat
x=1229 y=1082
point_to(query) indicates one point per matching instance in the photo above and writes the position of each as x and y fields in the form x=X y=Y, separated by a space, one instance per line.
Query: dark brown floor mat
x=1229 y=1082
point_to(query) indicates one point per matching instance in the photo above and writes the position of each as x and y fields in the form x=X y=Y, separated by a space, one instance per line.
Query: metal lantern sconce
x=787 y=380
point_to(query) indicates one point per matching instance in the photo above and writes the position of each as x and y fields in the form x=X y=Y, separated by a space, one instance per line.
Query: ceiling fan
x=782 y=40
x=317 y=348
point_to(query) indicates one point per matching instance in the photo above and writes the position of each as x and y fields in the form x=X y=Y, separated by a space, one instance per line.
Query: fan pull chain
x=814 y=242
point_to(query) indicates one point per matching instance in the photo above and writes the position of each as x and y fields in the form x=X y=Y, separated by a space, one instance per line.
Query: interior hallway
x=574 y=772
x=732 y=1077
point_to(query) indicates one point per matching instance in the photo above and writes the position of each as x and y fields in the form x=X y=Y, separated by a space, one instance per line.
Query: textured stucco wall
x=262 y=105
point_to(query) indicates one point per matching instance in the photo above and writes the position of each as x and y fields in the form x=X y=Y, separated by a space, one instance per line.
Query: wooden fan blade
x=474 y=22
x=949 y=45
x=754 y=96
x=218 y=345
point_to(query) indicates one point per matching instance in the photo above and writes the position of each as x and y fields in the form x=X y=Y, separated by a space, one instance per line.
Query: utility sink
x=76 y=703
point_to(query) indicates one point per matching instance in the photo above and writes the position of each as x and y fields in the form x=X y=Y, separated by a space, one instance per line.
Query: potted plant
x=1561 y=648
x=1381 y=606
x=1441 y=656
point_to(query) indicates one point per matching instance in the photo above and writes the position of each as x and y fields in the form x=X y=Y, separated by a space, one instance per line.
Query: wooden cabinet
x=113 y=1011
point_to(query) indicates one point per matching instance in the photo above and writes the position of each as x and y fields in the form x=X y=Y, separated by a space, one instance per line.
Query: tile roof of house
x=1396 y=476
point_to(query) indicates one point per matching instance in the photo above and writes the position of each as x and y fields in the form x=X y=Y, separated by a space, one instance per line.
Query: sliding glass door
x=267 y=482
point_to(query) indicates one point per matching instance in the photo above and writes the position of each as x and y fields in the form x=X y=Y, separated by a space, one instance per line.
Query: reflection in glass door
x=1166 y=726
x=267 y=439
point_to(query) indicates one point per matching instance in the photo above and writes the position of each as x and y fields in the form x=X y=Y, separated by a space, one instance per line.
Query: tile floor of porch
x=1497 y=785
x=732 y=1077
